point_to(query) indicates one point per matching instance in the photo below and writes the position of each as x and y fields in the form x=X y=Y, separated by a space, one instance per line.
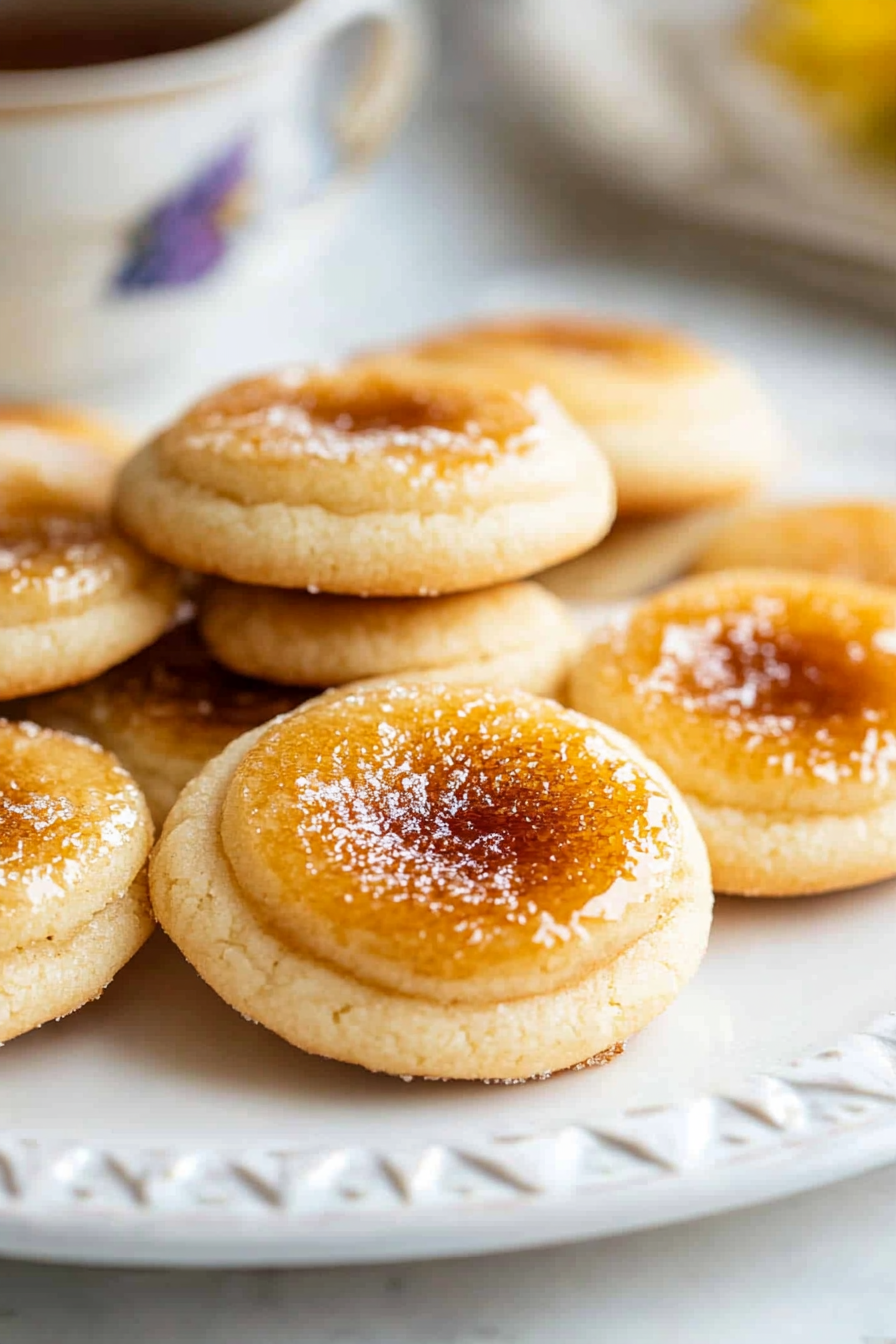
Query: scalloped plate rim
x=807 y=1142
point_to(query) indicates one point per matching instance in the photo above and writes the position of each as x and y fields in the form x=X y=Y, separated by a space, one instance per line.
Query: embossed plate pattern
x=145 y=1205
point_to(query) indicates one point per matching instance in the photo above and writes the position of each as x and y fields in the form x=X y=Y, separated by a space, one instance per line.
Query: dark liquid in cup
x=60 y=43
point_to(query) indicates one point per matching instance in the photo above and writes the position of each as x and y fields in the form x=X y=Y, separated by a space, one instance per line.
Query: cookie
x=849 y=539
x=75 y=599
x=514 y=635
x=54 y=456
x=74 y=840
x=639 y=554
x=770 y=699
x=368 y=484
x=436 y=880
x=681 y=425
x=165 y=712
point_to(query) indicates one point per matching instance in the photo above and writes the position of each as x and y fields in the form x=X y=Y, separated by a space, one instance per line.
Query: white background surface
x=457 y=216
x=820 y=1269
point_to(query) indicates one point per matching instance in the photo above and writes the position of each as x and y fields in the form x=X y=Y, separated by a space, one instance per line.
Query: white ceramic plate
x=158 y=1127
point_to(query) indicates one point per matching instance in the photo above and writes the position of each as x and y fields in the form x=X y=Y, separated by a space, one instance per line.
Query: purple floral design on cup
x=186 y=237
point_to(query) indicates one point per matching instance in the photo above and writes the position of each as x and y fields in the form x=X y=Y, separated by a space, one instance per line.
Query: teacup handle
x=379 y=97
x=367 y=113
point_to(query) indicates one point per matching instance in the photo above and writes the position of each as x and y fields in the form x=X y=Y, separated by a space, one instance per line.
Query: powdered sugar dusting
x=455 y=827
x=57 y=558
x=809 y=699
x=414 y=430
x=64 y=806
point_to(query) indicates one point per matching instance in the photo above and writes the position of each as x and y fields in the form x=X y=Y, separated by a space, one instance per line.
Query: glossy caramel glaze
x=341 y=416
x=69 y=817
x=450 y=842
x=54 y=563
x=650 y=348
x=174 y=692
x=740 y=679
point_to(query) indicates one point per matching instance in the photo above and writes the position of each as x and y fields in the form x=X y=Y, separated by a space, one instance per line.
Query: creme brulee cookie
x=74 y=837
x=75 y=599
x=514 y=635
x=849 y=539
x=49 y=455
x=770 y=698
x=165 y=712
x=639 y=554
x=437 y=880
x=681 y=425
x=371 y=484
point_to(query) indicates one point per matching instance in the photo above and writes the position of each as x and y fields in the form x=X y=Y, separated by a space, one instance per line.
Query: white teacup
x=138 y=195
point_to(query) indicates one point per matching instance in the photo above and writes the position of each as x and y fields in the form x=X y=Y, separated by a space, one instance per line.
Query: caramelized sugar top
x=349 y=414
x=628 y=345
x=424 y=835
x=57 y=562
x=797 y=673
x=176 y=687
x=66 y=809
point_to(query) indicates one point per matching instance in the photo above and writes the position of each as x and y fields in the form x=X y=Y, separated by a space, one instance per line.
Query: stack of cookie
x=98 y=640
x=76 y=597
x=461 y=880
x=365 y=523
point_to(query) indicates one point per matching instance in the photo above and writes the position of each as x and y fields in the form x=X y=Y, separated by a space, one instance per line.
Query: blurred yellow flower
x=843 y=55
